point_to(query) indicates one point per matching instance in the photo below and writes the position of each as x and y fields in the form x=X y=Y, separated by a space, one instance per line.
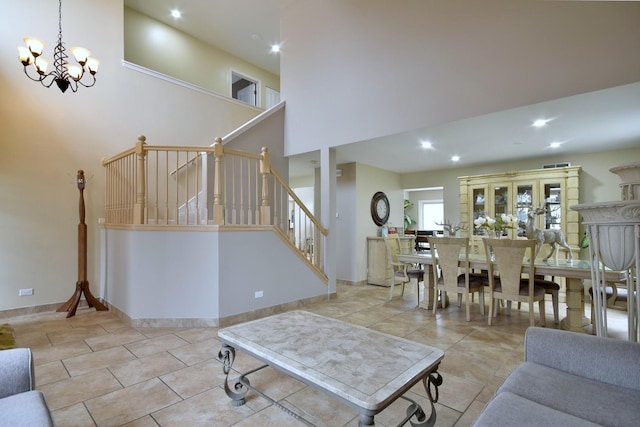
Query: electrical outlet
x=25 y=292
x=259 y=294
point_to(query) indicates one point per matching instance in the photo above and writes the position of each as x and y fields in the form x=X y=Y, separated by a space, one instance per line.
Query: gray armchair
x=20 y=403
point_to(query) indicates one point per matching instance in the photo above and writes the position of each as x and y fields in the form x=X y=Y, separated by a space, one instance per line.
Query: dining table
x=575 y=272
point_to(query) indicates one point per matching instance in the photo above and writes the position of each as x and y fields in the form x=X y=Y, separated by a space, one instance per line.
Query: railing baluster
x=245 y=191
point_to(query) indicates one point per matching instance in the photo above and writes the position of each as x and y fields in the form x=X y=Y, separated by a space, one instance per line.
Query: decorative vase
x=630 y=176
x=613 y=232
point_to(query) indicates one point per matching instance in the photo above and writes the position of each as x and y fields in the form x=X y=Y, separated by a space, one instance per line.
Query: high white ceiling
x=597 y=121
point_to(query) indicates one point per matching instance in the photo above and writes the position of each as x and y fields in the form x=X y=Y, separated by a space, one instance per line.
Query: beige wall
x=47 y=136
x=157 y=46
x=597 y=184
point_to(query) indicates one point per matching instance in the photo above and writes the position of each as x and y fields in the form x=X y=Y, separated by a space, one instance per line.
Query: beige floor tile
x=78 y=389
x=50 y=373
x=155 y=345
x=120 y=336
x=158 y=332
x=470 y=415
x=198 y=352
x=198 y=334
x=32 y=339
x=143 y=369
x=319 y=408
x=211 y=408
x=455 y=393
x=131 y=403
x=74 y=334
x=50 y=353
x=271 y=416
x=146 y=421
x=195 y=379
x=73 y=416
x=110 y=357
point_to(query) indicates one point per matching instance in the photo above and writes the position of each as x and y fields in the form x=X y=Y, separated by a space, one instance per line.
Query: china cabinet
x=518 y=193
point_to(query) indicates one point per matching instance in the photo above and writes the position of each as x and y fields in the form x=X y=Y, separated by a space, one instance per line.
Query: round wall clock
x=380 y=208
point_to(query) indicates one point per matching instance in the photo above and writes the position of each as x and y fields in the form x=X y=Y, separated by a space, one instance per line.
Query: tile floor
x=97 y=371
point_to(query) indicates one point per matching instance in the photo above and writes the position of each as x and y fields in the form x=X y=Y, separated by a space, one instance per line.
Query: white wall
x=47 y=136
x=206 y=283
x=136 y=286
x=375 y=67
x=254 y=261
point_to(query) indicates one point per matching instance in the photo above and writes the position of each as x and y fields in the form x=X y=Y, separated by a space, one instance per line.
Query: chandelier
x=63 y=74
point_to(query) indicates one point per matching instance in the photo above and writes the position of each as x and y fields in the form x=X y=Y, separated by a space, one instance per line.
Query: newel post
x=139 y=206
x=265 y=170
x=218 y=207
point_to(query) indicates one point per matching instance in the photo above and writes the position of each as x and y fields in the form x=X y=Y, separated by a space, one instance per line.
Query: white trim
x=178 y=82
x=257 y=119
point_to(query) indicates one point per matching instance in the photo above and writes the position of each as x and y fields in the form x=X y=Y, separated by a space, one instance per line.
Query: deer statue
x=452 y=229
x=552 y=237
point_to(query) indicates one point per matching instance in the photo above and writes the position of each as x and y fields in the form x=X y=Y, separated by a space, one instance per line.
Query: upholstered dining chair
x=505 y=258
x=447 y=253
x=402 y=272
x=550 y=288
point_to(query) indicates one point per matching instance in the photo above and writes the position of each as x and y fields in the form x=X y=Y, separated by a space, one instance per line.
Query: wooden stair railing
x=180 y=186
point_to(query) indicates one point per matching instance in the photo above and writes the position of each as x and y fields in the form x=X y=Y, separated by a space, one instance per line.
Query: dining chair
x=402 y=272
x=505 y=259
x=447 y=252
x=550 y=288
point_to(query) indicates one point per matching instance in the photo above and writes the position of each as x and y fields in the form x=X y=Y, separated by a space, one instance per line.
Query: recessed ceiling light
x=555 y=144
x=540 y=123
x=176 y=13
x=275 y=48
x=455 y=158
x=426 y=144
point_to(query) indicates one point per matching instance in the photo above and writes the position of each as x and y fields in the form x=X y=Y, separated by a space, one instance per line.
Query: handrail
x=293 y=195
x=216 y=186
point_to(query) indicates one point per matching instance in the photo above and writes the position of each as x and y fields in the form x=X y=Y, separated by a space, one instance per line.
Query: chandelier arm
x=42 y=77
x=87 y=85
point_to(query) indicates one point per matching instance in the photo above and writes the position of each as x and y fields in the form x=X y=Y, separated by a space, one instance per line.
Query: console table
x=362 y=368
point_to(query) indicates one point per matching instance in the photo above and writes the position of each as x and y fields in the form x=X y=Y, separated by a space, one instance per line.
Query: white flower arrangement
x=503 y=222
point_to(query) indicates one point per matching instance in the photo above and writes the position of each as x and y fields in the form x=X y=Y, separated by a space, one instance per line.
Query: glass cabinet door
x=524 y=203
x=501 y=202
x=553 y=206
x=479 y=208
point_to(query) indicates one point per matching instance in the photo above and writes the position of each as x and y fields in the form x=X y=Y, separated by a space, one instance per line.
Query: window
x=430 y=212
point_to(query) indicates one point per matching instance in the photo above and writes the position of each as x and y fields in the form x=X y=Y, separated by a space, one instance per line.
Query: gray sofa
x=569 y=379
x=20 y=404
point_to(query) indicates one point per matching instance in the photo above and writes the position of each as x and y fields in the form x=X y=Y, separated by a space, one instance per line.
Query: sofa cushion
x=508 y=409
x=27 y=409
x=598 y=402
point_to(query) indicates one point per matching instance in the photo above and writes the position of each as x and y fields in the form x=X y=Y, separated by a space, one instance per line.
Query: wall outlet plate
x=25 y=292
x=259 y=294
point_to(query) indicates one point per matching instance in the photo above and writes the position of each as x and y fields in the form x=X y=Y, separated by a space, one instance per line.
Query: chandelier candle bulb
x=81 y=54
x=25 y=56
x=41 y=65
x=92 y=65
x=74 y=71
x=35 y=46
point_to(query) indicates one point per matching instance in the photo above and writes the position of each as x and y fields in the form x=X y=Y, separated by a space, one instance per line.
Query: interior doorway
x=245 y=89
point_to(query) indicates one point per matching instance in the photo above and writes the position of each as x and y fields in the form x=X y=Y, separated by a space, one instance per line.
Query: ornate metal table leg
x=238 y=392
x=434 y=379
